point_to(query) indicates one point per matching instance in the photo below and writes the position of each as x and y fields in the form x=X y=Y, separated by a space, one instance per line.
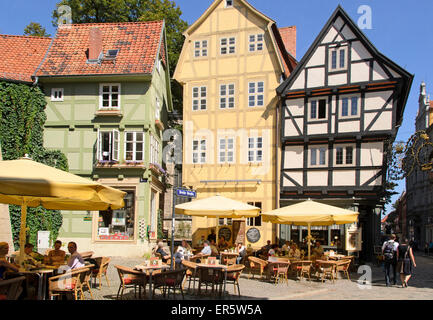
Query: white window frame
x=344 y=147
x=338 y=58
x=154 y=150
x=256 y=94
x=200 y=98
x=318 y=150
x=255 y=149
x=254 y=43
x=101 y=97
x=201 y=150
x=225 y=159
x=349 y=107
x=251 y=222
x=202 y=50
x=228 y=45
x=55 y=94
x=229 y=96
x=225 y=222
x=134 y=143
x=310 y=107
x=114 y=146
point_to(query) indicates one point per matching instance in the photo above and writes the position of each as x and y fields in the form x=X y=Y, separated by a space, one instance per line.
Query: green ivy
x=22 y=118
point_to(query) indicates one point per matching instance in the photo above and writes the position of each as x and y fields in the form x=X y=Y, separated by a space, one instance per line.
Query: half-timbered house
x=341 y=107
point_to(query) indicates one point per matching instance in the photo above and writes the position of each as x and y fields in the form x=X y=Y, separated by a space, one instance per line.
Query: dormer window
x=57 y=94
x=111 y=54
x=229 y=3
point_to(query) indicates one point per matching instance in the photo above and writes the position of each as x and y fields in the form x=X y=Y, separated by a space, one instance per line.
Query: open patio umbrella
x=310 y=213
x=31 y=184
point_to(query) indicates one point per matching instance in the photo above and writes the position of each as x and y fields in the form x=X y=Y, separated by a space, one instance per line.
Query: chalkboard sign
x=253 y=235
x=226 y=232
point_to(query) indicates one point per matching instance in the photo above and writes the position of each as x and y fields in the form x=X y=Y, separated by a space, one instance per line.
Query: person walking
x=406 y=262
x=390 y=253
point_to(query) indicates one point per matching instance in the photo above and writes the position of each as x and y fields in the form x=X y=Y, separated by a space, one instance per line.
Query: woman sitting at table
x=222 y=245
x=5 y=266
x=294 y=252
x=56 y=256
x=165 y=256
x=242 y=252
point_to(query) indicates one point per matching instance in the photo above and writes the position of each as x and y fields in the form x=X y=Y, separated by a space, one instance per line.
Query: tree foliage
x=35 y=29
x=22 y=118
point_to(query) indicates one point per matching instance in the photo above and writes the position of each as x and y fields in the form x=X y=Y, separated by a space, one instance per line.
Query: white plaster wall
x=294 y=157
x=297 y=176
x=365 y=175
x=359 y=52
x=316 y=77
x=384 y=122
x=371 y=154
x=378 y=73
x=317 y=178
x=330 y=35
x=337 y=79
x=349 y=126
x=376 y=100
x=318 y=57
x=299 y=83
x=290 y=129
x=360 y=72
x=296 y=107
x=344 y=178
x=319 y=128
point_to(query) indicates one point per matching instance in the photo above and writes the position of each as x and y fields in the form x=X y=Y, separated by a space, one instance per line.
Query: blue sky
x=400 y=31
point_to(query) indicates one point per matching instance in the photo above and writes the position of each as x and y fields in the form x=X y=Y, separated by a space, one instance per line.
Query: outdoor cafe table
x=150 y=270
x=227 y=255
x=216 y=266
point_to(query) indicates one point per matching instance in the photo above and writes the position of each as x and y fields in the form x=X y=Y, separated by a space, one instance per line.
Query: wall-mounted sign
x=253 y=235
x=226 y=233
x=87 y=219
x=186 y=193
x=104 y=231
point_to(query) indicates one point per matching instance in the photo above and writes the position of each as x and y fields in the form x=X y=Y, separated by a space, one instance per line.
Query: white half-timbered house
x=341 y=106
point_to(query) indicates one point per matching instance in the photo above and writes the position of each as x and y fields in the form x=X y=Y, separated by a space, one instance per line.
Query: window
x=199 y=98
x=229 y=3
x=344 y=155
x=226 y=150
x=349 y=106
x=200 y=48
x=257 y=221
x=157 y=109
x=256 y=94
x=154 y=150
x=118 y=224
x=338 y=58
x=57 y=94
x=134 y=146
x=228 y=45
x=199 y=151
x=318 y=156
x=158 y=65
x=256 y=42
x=108 y=146
x=255 y=149
x=227 y=96
x=110 y=96
x=225 y=221
x=318 y=109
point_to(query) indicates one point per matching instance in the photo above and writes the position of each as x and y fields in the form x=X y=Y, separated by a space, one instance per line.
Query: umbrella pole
x=309 y=241
x=23 y=228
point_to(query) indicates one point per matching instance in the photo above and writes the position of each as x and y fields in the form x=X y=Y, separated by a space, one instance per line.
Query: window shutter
x=115 y=145
x=99 y=147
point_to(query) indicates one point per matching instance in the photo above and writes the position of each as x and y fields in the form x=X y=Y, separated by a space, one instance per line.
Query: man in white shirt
x=390 y=253
x=76 y=260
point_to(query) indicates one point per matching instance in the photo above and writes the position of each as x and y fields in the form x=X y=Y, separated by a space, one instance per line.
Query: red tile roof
x=138 y=44
x=20 y=56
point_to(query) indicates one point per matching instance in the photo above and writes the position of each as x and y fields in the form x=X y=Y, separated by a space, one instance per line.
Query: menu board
x=253 y=235
x=226 y=232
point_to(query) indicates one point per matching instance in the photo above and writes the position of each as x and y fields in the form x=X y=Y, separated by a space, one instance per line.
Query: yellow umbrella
x=31 y=184
x=217 y=207
x=310 y=213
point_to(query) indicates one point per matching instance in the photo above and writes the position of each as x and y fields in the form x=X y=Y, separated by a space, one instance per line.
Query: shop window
x=256 y=221
x=118 y=225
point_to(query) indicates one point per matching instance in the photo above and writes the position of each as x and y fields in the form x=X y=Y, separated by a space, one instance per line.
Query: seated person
x=165 y=256
x=242 y=252
x=222 y=245
x=318 y=250
x=264 y=250
x=179 y=256
x=201 y=241
x=56 y=256
x=273 y=251
x=212 y=236
x=5 y=266
x=294 y=251
x=28 y=256
x=75 y=261
x=214 y=249
x=206 y=251
x=286 y=247
x=186 y=246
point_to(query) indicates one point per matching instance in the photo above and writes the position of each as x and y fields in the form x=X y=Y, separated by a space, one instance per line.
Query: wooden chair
x=327 y=269
x=280 y=271
x=212 y=277
x=257 y=264
x=229 y=261
x=233 y=275
x=191 y=274
x=343 y=266
x=85 y=279
x=11 y=289
x=86 y=255
x=169 y=280
x=97 y=273
x=130 y=278
x=301 y=268
x=67 y=283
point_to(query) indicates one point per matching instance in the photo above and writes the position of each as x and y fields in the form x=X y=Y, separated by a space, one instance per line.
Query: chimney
x=95 y=43
x=288 y=34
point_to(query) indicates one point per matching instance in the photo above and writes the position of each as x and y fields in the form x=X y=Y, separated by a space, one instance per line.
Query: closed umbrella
x=311 y=213
x=31 y=184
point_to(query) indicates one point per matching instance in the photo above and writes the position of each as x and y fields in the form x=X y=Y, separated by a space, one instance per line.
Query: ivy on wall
x=22 y=118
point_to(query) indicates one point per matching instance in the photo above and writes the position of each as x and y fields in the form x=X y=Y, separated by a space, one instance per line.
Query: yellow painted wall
x=238 y=68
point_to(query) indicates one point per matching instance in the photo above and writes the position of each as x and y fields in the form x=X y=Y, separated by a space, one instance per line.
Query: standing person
x=390 y=253
x=76 y=261
x=406 y=262
x=212 y=236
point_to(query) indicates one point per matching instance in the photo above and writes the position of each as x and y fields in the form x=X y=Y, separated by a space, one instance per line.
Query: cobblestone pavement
x=420 y=286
